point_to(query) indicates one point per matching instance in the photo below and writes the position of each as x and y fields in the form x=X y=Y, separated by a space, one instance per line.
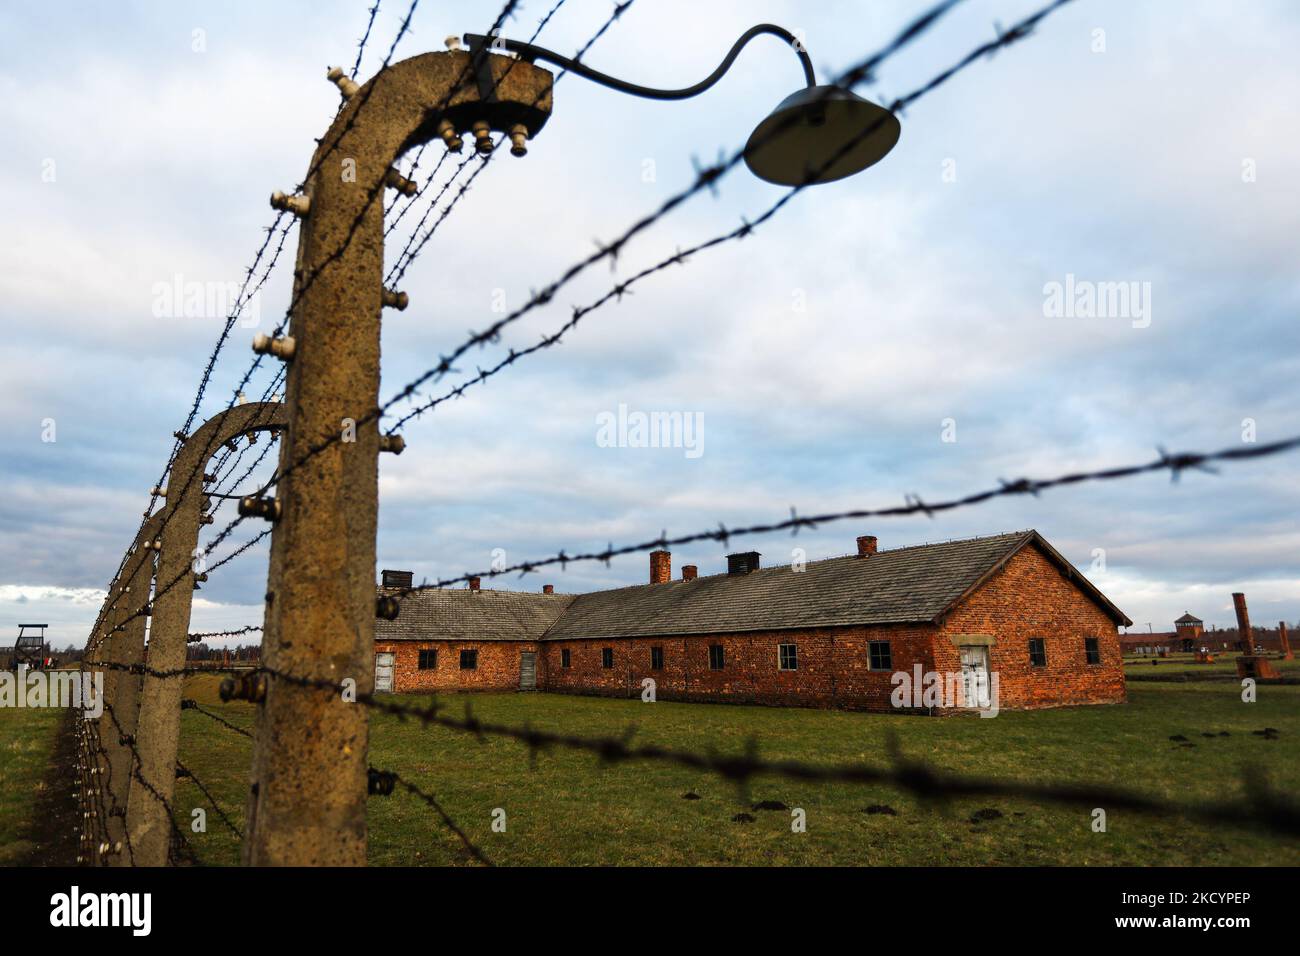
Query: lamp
x=804 y=140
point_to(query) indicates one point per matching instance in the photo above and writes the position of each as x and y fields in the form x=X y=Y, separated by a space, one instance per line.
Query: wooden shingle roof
x=905 y=585
x=466 y=615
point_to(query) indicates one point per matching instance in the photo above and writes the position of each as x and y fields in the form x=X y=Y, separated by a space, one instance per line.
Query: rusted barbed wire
x=361 y=47
x=1261 y=808
x=1175 y=464
x=413 y=248
x=204 y=635
x=709 y=176
x=184 y=773
x=706 y=179
x=419 y=154
x=188 y=703
x=471 y=848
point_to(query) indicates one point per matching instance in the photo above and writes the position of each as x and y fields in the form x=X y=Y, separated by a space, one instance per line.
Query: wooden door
x=975 y=675
x=384 y=664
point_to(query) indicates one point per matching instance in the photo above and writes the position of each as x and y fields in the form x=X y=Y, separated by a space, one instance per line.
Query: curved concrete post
x=122 y=692
x=97 y=763
x=159 y=723
x=307 y=802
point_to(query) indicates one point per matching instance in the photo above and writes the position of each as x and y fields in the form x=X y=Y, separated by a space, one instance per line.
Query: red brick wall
x=498 y=665
x=1028 y=598
x=833 y=667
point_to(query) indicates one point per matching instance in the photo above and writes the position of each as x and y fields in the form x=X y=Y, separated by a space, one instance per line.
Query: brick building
x=1190 y=635
x=832 y=633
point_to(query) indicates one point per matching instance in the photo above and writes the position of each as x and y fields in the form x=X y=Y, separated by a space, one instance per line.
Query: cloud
x=825 y=352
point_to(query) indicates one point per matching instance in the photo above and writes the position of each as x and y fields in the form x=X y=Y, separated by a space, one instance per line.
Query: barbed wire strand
x=361 y=47
x=706 y=179
x=413 y=247
x=1261 y=808
x=186 y=773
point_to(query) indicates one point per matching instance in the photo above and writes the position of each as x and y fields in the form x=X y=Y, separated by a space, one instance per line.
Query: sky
x=900 y=332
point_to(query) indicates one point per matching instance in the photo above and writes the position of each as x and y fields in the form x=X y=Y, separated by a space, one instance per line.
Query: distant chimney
x=866 y=545
x=690 y=572
x=473 y=583
x=661 y=567
x=397 y=579
x=1243 y=622
x=548 y=588
x=742 y=563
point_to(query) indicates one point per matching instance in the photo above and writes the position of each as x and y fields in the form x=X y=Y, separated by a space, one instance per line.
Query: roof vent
x=742 y=563
x=398 y=579
x=866 y=545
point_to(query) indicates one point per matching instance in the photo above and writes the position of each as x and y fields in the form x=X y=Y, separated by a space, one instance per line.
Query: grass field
x=570 y=810
x=27 y=744
x=1224 y=666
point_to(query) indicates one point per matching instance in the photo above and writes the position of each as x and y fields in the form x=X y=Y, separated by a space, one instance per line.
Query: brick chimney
x=690 y=572
x=548 y=588
x=661 y=567
x=473 y=583
x=866 y=545
x=1244 y=633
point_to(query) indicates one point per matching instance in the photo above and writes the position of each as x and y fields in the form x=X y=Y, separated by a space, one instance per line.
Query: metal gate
x=527 y=670
x=384 y=672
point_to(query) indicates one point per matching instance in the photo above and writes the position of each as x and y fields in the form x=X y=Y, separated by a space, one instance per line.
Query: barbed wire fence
x=1261 y=808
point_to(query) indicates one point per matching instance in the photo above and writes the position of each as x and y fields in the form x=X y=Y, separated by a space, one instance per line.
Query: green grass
x=27 y=740
x=1225 y=664
x=570 y=810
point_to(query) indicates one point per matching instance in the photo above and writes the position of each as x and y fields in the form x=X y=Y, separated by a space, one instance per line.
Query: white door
x=975 y=675
x=384 y=672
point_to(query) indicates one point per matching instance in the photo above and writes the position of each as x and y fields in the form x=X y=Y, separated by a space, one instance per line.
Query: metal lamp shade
x=808 y=130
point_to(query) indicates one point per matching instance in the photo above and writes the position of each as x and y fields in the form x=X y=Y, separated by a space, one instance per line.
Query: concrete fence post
x=123 y=695
x=307 y=799
x=98 y=760
x=159 y=723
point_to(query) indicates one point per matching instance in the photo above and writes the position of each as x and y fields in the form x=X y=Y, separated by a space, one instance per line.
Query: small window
x=1092 y=649
x=1037 y=652
x=656 y=658
x=882 y=659
x=566 y=658
x=429 y=660
x=716 y=657
x=787 y=657
x=469 y=660
x=607 y=657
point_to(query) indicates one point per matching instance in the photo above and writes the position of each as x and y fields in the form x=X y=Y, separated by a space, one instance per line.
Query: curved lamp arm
x=530 y=53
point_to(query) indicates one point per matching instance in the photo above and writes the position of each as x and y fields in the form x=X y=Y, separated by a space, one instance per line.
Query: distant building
x=831 y=633
x=1189 y=635
x=1189 y=630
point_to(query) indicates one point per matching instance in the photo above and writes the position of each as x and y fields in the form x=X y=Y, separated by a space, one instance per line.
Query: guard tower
x=30 y=647
x=1189 y=629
